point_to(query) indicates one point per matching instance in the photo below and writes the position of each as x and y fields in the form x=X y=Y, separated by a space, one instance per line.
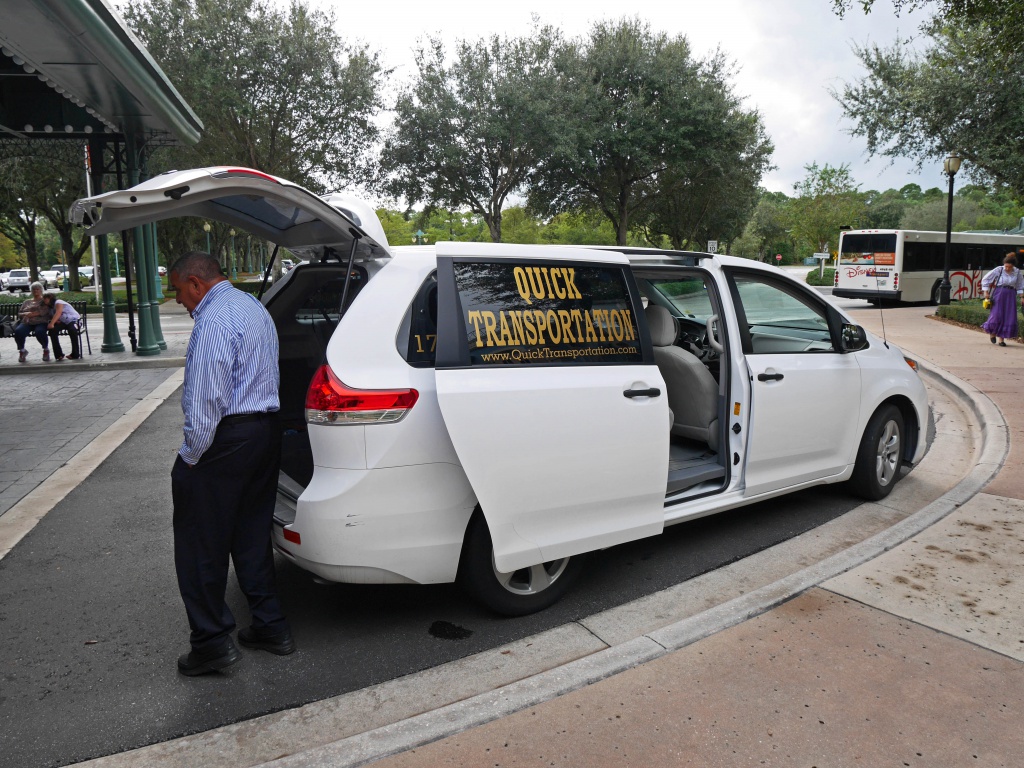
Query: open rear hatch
x=336 y=238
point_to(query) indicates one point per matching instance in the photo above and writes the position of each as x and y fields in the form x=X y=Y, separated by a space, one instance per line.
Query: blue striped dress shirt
x=230 y=366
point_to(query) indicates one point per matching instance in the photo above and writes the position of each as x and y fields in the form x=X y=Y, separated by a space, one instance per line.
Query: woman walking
x=1003 y=284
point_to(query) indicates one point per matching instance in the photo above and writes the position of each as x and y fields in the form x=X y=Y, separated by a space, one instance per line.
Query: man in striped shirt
x=224 y=480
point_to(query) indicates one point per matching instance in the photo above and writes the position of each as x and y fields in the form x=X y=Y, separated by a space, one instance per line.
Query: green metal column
x=111 y=337
x=147 y=341
x=154 y=288
x=158 y=289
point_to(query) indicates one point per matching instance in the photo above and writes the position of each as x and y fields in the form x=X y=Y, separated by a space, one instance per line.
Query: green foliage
x=470 y=133
x=35 y=195
x=1001 y=17
x=276 y=89
x=578 y=228
x=959 y=94
x=931 y=215
x=9 y=255
x=636 y=115
x=827 y=199
x=814 y=277
x=971 y=312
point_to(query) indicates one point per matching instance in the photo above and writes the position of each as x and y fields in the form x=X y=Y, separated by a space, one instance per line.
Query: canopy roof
x=72 y=68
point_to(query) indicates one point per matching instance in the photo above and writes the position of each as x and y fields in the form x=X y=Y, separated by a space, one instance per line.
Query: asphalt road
x=91 y=622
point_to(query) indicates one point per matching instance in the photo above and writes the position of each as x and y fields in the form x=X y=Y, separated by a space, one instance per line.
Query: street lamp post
x=950 y=166
x=206 y=229
x=117 y=268
x=234 y=268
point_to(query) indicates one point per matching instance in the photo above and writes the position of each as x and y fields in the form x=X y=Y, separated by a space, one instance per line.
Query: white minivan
x=489 y=413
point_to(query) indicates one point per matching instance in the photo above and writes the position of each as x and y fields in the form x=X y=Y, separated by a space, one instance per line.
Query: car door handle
x=770 y=377
x=652 y=392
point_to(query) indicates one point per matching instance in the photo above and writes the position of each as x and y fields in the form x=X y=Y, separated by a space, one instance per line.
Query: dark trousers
x=23 y=330
x=73 y=334
x=224 y=507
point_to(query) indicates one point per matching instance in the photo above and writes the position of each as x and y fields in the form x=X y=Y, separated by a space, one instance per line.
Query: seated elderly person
x=34 y=316
x=65 y=317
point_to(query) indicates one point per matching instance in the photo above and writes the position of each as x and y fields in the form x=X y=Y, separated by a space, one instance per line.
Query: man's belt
x=241 y=418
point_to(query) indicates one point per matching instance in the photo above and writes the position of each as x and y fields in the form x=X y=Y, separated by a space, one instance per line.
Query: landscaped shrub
x=828 y=278
x=971 y=312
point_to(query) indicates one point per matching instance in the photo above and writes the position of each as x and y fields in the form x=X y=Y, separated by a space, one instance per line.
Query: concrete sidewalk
x=914 y=658
x=175 y=324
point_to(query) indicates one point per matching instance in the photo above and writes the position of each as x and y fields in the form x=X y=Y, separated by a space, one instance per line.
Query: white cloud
x=788 y=54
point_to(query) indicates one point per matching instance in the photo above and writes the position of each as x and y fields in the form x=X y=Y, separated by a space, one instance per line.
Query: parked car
x=51 y=278
x=287 y=265
x=4 y=274
x=488 y=413
x=85 y=276
x=18 y=280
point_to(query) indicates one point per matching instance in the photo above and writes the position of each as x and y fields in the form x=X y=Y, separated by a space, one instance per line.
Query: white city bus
x=903 y=265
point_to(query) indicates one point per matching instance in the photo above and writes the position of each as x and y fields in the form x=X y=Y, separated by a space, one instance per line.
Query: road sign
x=778 y=257
x=712 y=246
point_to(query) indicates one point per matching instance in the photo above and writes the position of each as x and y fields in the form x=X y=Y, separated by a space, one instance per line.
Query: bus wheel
x=936 y=293
x=516 y=593
x=880 y=455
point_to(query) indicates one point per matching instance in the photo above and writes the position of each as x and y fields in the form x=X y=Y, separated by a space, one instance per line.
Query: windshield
x=872 y=248
x=685 y=298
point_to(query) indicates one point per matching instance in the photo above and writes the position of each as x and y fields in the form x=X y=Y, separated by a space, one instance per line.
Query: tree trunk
x=493 y=222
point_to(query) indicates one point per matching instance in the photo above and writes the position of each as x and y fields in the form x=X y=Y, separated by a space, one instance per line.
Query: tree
x=770 y=224
x=825 y=200
x=712 y=195
x=960 y=94
x=883 y=210
x=35 y=187
x=470 y=133
x=9 y=256
x=1002 y=18
x=278 y=90
x=931 y=216
x=632 y=106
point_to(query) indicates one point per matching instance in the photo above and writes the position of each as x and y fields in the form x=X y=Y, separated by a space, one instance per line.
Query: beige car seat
x=692 y=390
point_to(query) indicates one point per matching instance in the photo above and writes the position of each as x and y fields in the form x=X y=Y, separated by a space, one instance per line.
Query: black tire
x=880 y=456
x=936 y=293
x=522 y=592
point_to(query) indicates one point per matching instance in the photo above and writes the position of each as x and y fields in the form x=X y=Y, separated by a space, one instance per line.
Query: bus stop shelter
x=72 y=71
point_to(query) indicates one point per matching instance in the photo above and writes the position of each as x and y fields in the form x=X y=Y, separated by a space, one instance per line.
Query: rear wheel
x=936 y=293
x=514 y=593
x=880 y=455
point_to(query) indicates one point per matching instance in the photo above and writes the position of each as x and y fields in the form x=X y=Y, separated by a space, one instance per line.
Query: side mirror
x=854 y=338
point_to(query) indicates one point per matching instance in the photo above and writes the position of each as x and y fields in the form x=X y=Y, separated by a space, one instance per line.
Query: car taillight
x=835 y=279
x=330 y=401
x=896 y=281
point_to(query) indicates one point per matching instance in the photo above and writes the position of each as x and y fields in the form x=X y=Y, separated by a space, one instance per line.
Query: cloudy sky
x=788 y=52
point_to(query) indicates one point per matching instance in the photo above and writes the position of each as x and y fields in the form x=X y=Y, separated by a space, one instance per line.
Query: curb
x=80 y=367
x=388 y=740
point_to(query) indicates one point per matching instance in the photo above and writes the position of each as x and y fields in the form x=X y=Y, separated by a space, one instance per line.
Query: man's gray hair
x=199 y=264
x=35 y=285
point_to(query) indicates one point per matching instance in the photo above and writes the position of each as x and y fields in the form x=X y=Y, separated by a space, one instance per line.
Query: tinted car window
x=561 y=313
x=417 y=339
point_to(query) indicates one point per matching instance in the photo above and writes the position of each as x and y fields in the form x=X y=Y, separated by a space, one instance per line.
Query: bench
x=9 y=311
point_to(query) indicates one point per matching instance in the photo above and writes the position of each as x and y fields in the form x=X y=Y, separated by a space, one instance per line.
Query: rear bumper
x=861 y=293
x=380 y=526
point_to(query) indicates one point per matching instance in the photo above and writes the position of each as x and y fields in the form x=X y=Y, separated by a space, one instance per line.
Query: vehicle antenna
x=881 y=313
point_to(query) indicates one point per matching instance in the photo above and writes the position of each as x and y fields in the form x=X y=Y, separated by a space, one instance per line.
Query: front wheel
x=516 y=593
x=936 y=293
x=880 y=455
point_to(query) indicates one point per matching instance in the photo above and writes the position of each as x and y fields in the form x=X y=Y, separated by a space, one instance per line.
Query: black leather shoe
x=201 y=662
x=280 y=643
